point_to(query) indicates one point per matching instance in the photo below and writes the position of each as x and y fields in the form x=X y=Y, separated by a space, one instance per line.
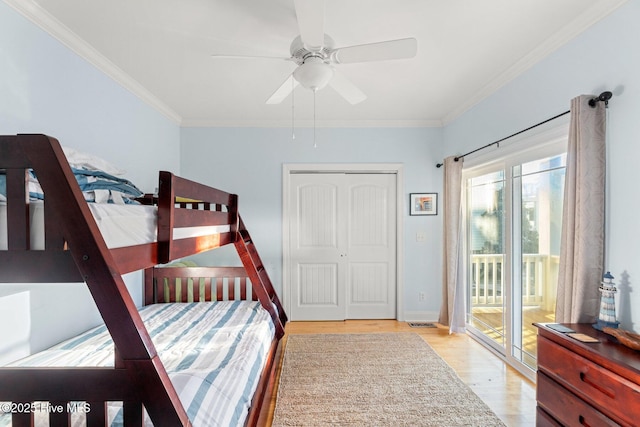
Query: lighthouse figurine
x=607 y=316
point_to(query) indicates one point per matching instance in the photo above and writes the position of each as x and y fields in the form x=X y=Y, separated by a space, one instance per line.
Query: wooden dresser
x=586 y=384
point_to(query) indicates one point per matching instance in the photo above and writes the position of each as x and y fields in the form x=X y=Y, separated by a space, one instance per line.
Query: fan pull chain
x=315 y=144
x=293 y=129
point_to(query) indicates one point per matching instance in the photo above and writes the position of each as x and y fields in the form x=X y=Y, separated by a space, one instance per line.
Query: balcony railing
x=539 y=275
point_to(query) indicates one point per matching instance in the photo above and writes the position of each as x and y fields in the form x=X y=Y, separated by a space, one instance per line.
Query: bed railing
x=197 y=284
x=185 y=203
x=55 y=263
x=27 y=393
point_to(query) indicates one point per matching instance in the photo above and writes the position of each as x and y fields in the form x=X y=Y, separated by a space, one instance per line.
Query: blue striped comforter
x=213 y=351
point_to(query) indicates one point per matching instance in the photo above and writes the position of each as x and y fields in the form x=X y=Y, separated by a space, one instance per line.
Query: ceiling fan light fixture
x=314 y=73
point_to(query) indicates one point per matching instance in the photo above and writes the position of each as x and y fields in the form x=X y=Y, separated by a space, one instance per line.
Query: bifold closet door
x=343 y=246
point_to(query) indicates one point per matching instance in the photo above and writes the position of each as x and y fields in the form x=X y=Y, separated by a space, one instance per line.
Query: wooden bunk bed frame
x=75 y=251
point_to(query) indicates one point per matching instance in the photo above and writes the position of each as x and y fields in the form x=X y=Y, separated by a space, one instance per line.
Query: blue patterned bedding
x=98 y=179
x=213 y=352
x=96 y=186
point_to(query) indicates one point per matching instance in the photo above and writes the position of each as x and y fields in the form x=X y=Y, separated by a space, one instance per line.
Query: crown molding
x=299 y=124
x=56 y=29
x=581 y=23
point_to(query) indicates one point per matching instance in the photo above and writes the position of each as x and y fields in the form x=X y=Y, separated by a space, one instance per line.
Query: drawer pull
x=583 y=422
x=604 y=390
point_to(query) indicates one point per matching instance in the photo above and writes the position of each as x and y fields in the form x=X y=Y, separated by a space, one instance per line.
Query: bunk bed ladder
x=258 y=275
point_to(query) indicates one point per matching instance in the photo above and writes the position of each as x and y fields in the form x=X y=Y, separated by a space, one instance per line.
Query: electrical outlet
x=421 y=296
x=421 y=236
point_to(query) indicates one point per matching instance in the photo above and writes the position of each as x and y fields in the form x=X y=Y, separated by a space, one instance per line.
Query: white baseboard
x=420 y=316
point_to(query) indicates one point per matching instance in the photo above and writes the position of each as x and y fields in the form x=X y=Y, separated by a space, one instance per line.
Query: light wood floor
x=509 y=394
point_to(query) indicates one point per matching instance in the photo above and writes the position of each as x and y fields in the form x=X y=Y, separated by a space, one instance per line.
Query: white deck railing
x=539 y=273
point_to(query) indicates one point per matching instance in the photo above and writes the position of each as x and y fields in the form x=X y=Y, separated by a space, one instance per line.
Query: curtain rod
x=604 y=96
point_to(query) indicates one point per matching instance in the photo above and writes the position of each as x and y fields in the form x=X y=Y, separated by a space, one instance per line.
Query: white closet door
x=342 y=246
x=371 y=246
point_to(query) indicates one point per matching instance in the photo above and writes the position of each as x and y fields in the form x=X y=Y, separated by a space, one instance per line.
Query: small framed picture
x=423 y=203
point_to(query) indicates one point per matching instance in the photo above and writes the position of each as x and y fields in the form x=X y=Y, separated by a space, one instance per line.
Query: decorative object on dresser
x=626 y=338
x=607 y=315
x=580 y=382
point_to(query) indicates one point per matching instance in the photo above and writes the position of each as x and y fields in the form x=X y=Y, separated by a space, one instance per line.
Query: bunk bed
x=189 y=218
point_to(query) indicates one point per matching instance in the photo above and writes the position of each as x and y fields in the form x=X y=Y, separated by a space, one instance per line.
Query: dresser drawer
x=565 y=407
x=610 y=393
x=545 y=420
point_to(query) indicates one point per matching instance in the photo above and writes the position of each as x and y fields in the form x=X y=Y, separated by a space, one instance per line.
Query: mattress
x=213 y=352
x=120 y=225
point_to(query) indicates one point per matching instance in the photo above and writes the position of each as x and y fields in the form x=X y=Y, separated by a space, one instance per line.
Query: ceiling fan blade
x=310 y=14
x=233 y=56
x=283 y=91
x=346 y=89
x=381 y=51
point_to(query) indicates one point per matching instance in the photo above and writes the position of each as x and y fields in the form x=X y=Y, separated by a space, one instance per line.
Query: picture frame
x=423 y=204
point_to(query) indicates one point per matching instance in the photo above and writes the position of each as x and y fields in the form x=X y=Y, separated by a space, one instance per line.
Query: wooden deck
x=490 y=321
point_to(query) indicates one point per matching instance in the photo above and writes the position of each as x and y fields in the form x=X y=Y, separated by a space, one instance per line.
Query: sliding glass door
x=486 y=246
x=538 y=188
x=513 y=226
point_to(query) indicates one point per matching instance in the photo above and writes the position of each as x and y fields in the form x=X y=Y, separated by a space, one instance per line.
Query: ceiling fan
x=315 y=54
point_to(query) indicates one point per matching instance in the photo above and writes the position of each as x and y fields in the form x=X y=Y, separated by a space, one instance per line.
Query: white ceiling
x=161 y=50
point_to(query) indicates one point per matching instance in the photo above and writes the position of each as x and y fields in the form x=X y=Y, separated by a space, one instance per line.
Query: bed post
x=166 y=219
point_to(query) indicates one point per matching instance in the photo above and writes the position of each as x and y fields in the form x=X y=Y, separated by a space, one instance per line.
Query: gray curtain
x=452 y=312
x=582 y=244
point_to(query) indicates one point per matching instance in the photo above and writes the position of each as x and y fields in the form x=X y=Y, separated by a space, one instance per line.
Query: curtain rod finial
x=438 y=165
x=604 y=96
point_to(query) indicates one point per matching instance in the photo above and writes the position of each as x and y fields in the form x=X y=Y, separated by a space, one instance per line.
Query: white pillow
x=79 y=160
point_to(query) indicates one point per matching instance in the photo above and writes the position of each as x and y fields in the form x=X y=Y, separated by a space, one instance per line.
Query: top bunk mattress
x=120 y=224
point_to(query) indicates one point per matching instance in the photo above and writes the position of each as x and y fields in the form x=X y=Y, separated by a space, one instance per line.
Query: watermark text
x=47 y=407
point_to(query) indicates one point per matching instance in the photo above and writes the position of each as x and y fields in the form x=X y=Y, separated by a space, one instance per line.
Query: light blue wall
x=248 y=162
x=46 y=88
x=605 y=57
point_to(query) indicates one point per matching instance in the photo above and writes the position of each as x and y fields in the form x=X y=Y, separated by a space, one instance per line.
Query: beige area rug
x=387 y=379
